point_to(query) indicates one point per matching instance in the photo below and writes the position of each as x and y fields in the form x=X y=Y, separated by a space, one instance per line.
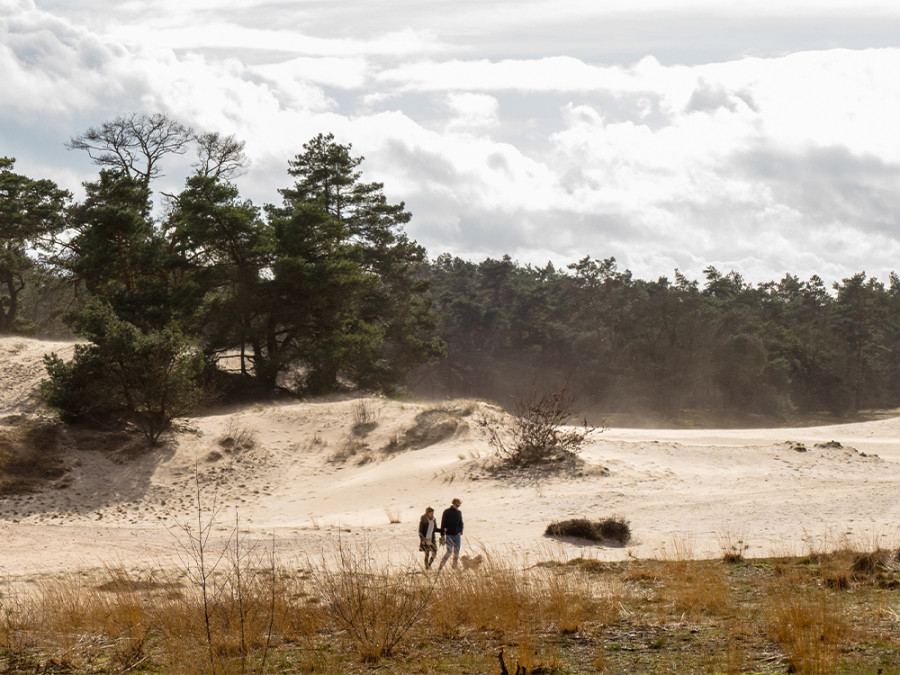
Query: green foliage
x=346 y=296
x=327 y=289
x=146 y=378
x=30 y=212
x=114 y=250
x=221 y=249
x=666 y=346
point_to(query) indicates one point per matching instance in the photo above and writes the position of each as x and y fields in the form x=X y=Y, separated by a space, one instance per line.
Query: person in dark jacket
x=451 y=532
x=427 y=532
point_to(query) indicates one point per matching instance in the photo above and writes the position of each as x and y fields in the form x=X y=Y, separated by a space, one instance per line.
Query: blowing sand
x=296 y=477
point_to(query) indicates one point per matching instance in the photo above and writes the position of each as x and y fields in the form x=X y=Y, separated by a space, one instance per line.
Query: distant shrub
x=237 y=437
x=538 y=434
x=609 y=529
x=365 y=417
x=29 y=457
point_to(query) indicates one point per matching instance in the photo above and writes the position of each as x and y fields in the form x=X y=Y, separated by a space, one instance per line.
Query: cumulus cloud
x=766 y=164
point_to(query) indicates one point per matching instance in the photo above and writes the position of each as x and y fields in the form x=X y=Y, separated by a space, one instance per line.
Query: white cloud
x=472 y=113
x=228 y=36
x=779 y=163
x=345 y=73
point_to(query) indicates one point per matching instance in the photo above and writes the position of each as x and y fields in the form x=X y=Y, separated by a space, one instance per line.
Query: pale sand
x=684 y=492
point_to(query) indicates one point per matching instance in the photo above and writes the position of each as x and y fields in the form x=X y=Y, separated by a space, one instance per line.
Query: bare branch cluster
x=220 y=156
x=134 y=143
x=541 y=431
x=369 y=603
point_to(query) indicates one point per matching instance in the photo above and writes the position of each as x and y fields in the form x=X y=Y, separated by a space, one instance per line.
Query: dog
x=471 y=563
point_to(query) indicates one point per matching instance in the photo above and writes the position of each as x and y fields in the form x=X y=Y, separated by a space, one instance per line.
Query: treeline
x=202 y=293
x=659 y=347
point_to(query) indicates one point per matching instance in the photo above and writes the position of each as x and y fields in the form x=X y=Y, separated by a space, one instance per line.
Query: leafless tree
x=134 y=143
x=220 y=156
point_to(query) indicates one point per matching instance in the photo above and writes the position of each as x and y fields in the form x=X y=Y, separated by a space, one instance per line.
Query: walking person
x=427 y=532
x=451 y=532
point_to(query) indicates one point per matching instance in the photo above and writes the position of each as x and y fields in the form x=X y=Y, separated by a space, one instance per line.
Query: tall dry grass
x=373 y=606
x=690 y=585
x=242 y=610
x=809 y=623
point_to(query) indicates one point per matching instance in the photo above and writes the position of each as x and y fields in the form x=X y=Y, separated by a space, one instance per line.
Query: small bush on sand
x=614 y=529
x=537 y=435
x=365 y=417
x=237 y=437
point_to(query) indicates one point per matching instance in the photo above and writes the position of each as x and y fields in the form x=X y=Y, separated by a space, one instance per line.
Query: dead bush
x=374 y=608
x=537 y=434
x=365 y=417
x=237 y=437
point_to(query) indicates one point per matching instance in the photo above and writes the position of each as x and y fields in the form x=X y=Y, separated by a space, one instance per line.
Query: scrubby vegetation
x=245 y=611
x=325 y=290
x=29 y=457
x=537 y=435
x=615 y=530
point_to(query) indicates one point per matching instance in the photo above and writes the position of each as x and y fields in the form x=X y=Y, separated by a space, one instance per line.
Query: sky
x=759 y=138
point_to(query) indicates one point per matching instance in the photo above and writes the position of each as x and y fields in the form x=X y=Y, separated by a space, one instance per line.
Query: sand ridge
x=296 y=475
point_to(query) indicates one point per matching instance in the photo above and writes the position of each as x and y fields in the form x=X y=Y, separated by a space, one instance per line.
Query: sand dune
x=297 y=477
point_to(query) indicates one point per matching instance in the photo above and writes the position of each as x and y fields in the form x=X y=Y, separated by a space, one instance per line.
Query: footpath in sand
x=296 y=477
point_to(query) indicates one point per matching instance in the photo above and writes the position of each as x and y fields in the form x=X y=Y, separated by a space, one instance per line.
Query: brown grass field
x=241 y=610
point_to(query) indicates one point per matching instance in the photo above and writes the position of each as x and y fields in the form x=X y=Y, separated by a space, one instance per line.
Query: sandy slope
x=689 y=490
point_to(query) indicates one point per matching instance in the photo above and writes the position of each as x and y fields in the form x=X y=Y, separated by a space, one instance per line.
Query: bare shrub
x=537 y=435
x=237 y=436
x=372 y=606
x=234 y=601
x=365 y=417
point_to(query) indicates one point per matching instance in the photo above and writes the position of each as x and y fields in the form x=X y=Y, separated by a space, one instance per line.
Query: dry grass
x=352 y=448
x=365 y=417
x=237 y=437
x=393 y=515
x=809 y=623
x=352 y=610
